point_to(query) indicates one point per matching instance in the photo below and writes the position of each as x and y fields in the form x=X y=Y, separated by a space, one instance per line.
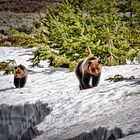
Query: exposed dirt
x=25 y=5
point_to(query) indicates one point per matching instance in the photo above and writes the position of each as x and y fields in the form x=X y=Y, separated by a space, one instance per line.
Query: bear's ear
x=90 y=62
x=92 y=58
x=22 y=67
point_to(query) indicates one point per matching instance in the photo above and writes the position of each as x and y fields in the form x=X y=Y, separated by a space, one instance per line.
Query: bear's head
x=94 y=66
x=20 y=71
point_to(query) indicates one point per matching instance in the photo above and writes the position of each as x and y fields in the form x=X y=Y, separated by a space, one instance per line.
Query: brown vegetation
x=25 y=5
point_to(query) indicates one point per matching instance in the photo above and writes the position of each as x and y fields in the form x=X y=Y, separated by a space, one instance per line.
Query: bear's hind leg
x=81 y=86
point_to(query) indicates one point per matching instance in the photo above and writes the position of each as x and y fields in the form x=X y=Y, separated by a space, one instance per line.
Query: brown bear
x=20 y=76
x=86 y=69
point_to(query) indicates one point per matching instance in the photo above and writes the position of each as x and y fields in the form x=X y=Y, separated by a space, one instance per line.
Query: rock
x=17 y=122
x=101 y=133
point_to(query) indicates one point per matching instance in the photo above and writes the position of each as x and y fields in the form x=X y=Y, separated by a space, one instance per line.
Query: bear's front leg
x=85 y=82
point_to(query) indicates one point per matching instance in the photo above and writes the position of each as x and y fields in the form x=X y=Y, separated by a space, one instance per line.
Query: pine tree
x=109 y=28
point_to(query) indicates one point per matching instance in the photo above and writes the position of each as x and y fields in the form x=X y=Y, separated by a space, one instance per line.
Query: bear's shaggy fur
x=86 y=69
x=20 y=76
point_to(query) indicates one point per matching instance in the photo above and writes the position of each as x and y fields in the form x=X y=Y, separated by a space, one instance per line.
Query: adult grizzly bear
x=86 y=69
x=20 y=76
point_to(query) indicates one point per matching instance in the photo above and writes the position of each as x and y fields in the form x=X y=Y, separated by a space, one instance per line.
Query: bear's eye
x=15 y=68
x=99 y=61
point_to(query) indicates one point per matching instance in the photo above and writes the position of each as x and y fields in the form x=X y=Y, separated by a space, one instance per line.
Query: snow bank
x=110 y=105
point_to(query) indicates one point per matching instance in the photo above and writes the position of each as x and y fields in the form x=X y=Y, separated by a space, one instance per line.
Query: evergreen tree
x=110 y=30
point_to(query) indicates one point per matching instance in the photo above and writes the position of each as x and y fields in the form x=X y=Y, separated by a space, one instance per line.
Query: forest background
x=70 y=30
